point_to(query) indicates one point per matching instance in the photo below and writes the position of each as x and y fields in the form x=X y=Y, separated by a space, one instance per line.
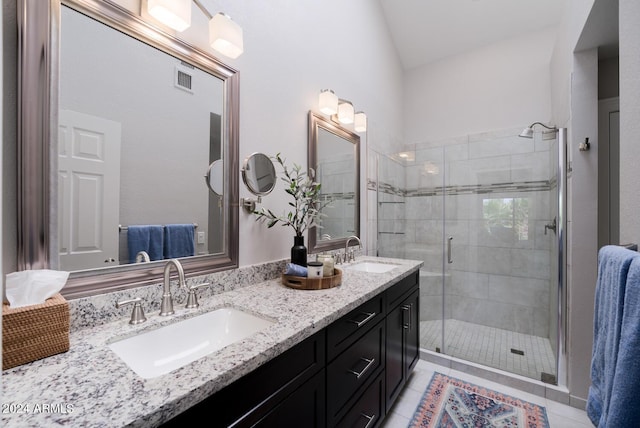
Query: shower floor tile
x=491 y=347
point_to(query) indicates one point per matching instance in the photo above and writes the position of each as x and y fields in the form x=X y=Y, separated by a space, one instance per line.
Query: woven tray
x=303 y=283
x=34 y=332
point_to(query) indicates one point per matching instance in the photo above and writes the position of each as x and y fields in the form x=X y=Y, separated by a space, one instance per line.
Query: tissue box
x=33 y=332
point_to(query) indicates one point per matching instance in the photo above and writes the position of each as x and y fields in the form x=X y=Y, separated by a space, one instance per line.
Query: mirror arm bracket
x=249 y=204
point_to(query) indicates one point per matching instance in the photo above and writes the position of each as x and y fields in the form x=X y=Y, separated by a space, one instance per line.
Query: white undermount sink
x=373 y=267
x=167 y=348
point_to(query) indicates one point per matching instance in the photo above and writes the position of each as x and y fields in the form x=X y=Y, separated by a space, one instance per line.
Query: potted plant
x=306 y=207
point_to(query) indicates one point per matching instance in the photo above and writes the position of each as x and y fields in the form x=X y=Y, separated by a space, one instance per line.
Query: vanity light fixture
x=360 y=122
x=225 y=36
x=341 y=111
x=345 y=112
x=175 y=14
x=328 y=102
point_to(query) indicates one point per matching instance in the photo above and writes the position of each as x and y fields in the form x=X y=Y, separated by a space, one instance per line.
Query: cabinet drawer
x=368 y=411
x=396 y=293
x=354 y=367
x=350 y=327
x=259 y=390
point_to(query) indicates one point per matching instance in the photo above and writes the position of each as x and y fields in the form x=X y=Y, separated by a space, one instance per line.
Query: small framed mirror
x=334 y=155
x=259 y=175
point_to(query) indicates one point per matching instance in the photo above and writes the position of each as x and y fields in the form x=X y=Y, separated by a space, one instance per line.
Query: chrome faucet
x=350 y=255
x=166 y=308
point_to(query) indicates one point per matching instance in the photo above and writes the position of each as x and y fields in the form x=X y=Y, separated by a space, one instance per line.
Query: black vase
x=299 y=251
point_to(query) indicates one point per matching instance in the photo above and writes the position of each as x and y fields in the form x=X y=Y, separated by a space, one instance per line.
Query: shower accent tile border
x=465 y=189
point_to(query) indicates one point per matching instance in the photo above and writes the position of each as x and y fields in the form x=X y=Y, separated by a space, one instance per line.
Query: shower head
x=528 y=131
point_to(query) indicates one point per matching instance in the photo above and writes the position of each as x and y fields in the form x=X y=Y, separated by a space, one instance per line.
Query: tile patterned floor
x=559 y=415
x=491 y=347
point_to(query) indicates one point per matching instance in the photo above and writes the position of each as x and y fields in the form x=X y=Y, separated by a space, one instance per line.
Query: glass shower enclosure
x=485 y=213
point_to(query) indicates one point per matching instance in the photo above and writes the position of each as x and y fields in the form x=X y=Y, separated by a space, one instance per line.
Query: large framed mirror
x=119 y=124
x=334 y=155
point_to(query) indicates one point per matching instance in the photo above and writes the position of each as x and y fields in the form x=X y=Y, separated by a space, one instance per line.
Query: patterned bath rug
x=452 y=403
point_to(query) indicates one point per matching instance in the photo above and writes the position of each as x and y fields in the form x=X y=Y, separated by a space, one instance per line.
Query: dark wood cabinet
x=352 y=370
x=254 y=397
x=348 y=374
x=368 y=410
x=305 y=407
x=403 y=343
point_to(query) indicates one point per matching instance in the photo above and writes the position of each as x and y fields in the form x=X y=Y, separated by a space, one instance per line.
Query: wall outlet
x=200 y=237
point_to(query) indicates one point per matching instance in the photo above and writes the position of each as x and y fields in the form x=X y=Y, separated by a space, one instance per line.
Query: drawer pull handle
x=364 y=321
x=370 y=419
x=364 y=370
x=407 y=308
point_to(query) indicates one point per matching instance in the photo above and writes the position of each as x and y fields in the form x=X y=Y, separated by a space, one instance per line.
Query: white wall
x=500 y=86
x=582 y=244
x=569 y=30
x=629 y=120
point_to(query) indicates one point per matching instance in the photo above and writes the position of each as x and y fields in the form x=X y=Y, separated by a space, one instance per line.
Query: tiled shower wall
x=493 y=193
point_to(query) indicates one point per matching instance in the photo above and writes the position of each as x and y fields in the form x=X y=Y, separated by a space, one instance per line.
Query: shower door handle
x=551 y=226
x=449 y=245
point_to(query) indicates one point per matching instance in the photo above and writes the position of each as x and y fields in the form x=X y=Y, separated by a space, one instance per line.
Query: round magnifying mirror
x=214 y=177
x=259 y=174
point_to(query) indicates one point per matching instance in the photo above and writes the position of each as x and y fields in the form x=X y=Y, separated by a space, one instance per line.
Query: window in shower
x=506 y=218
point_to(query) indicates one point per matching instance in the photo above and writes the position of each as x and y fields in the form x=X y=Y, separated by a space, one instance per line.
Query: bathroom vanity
x=336 y=357
x=348 y=374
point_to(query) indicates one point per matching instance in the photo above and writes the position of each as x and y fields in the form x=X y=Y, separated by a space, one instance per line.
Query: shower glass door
x=499 y=252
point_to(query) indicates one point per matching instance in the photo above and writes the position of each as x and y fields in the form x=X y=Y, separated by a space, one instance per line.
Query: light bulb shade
x=175 y=14
x=225 y=36
x=360 y=122
x=345 y=112
x=328 y=102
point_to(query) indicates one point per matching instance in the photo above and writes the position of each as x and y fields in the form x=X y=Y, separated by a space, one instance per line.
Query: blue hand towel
x=178 y=240
x=147 y=238
x=613 y=266
x=624 y=410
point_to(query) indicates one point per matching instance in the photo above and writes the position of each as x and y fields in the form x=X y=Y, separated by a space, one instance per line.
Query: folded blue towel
x=624 y=411
x=147 y=238
x=295 y=270
x=613 y=268
x=179 y=240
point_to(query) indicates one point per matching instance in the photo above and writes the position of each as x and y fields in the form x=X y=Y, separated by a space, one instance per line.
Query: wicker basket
x=33 y=332
x=303 y=283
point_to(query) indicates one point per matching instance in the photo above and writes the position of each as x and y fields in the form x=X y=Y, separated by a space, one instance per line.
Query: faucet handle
x=137 y=314
x=192 y=299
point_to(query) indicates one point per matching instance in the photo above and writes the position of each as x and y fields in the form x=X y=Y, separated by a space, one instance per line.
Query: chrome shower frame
x=561 y=236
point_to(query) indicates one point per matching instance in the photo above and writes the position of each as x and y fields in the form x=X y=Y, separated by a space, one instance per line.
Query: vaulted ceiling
x=425 y=31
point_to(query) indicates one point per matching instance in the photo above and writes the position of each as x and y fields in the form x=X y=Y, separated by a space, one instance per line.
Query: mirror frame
x=39 y=27
x=316 y=122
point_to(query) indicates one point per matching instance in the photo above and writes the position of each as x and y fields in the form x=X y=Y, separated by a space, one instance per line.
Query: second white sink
x=167 y=348
x=373 y=267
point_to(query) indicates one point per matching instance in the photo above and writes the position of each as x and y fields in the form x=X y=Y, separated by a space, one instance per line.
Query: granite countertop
x=91 y=386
